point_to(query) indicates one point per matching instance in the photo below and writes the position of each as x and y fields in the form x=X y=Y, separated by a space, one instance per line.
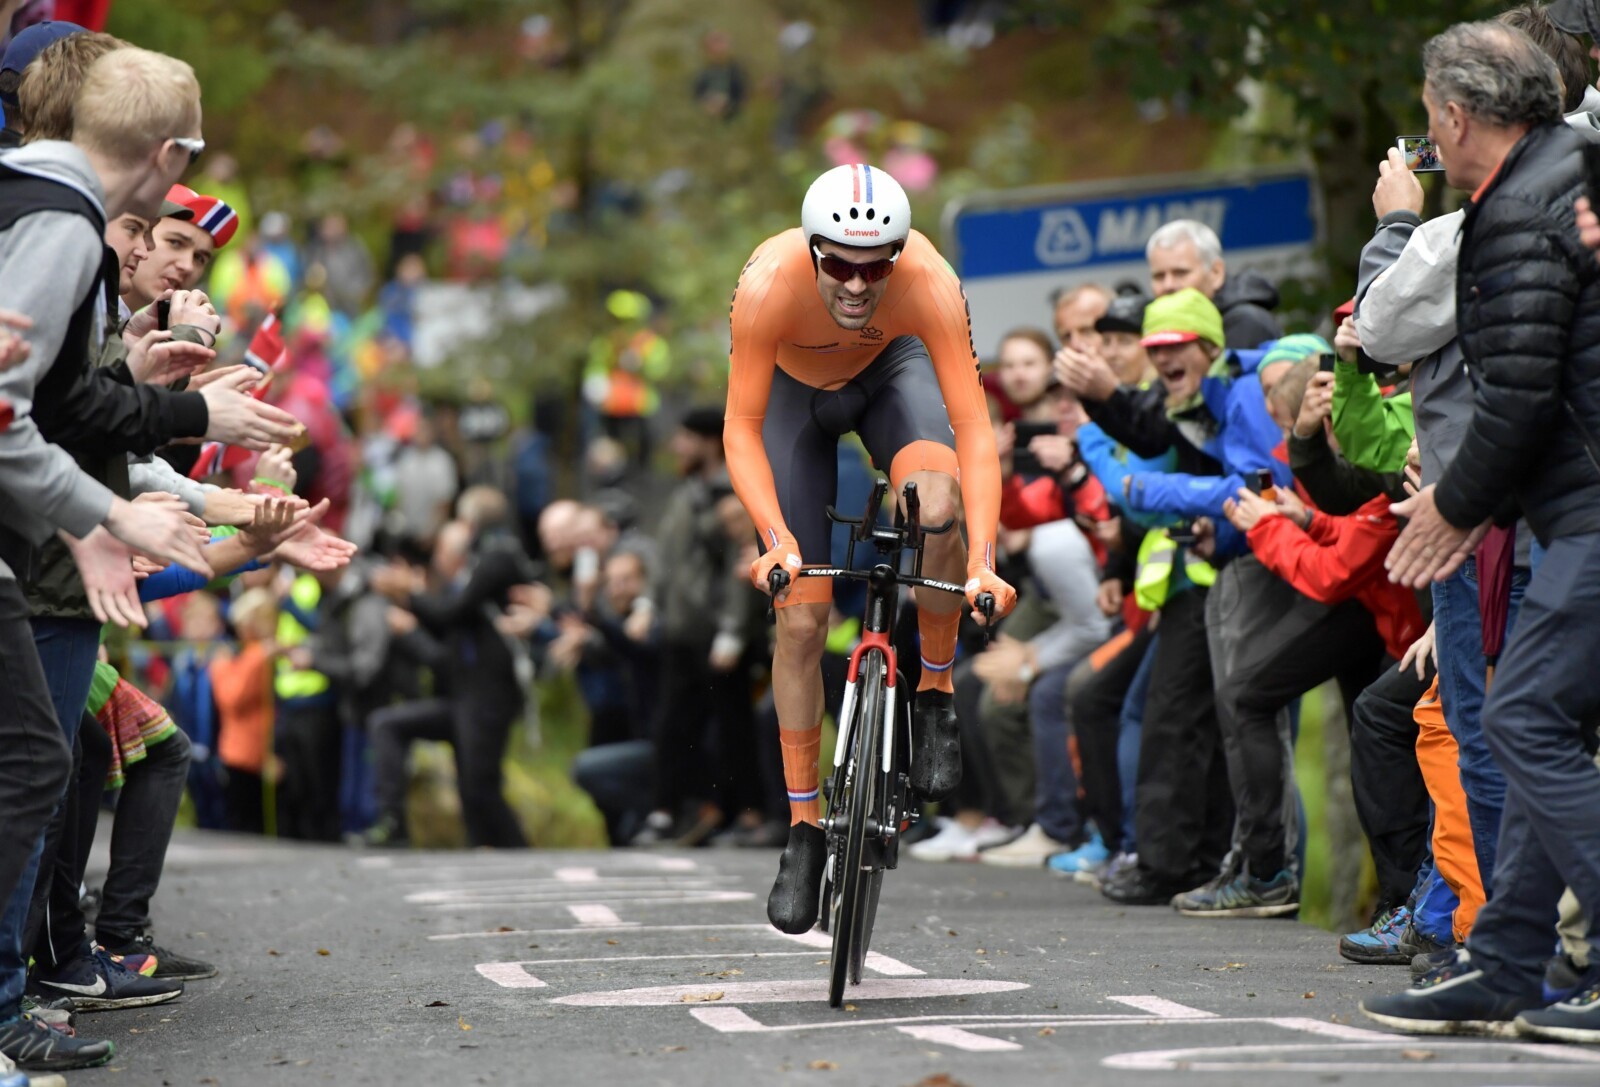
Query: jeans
x=1538 y=722
x=392 y=730
x=1458 y=629
x=1097 y=691
x=1055 y=803
x=146 y=811
x=35 y=762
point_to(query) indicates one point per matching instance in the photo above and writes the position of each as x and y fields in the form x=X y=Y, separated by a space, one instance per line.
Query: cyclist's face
x=852 y=303
x=1178 y=266
x=1024 y=371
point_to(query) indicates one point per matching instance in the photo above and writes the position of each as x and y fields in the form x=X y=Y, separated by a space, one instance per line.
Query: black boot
x=792 y=906
x=935 y=745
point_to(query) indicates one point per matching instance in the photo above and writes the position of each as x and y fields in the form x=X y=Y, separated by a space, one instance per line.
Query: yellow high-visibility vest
x=1152 y=579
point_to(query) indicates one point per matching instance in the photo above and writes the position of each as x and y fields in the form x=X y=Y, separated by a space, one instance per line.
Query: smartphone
x=163 y=313
x=1325 y=362
x=1261 y=483
x=585 y=565
x=1420 y=154
x=1023 y=460
x=1182 y=532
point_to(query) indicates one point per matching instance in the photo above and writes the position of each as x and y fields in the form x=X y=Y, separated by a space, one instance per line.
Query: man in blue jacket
x=1210 y=413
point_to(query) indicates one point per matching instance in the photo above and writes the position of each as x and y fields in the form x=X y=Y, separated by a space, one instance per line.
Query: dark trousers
x=35 y=766
x=1539 y=723
x=704 y=733
x=308 y=740
x=57 y=928
x=391 y=732
x=1096 y=695
x=620 y=779
x=244 y=802
x=1301 y=650
x=1390 y=796
x=147 y=809
x=980 y=788
x=1184 y=815
x=483 y=722
x=67 y=649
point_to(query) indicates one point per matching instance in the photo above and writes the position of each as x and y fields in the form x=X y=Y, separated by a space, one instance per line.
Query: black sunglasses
x=845 y=270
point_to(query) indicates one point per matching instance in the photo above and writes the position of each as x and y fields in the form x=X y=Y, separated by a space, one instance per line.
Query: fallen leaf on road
x=1417 y=1054
x=674 y=1048
x=463 y=1024
x=735 y=972
x=697 y=998
x=851 y=1008
x=437 y=1004
x=822 y=1066
x=323 y=951
x=1045 y=1032
x=939 y=1079
x=613 y=943
x=271 y=952
x=981 y=951
x=952 y=932
x=505 y=928
x=1311 y=996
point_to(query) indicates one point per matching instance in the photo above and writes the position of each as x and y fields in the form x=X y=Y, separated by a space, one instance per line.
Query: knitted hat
x=211 y=215
x=1182 y=317
x=1302 y=345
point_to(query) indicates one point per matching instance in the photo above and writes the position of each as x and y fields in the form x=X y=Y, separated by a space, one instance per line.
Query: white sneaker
x=1030 y=850
x=954 y=842
x=992 y=832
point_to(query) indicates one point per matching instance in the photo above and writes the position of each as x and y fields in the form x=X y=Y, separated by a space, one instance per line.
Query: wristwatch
x=1027 y=672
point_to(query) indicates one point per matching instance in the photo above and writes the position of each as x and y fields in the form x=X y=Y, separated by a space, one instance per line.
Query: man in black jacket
x=1528 y=317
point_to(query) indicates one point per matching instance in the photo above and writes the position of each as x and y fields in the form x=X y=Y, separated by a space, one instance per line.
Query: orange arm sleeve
x=750 y=366
x=945 y=328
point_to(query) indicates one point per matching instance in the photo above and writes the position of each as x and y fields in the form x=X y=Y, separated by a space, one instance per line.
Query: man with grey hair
x=1528 y=322
x=1188 y=253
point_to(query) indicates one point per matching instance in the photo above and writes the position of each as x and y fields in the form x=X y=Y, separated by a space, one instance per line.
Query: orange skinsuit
x=779 y=319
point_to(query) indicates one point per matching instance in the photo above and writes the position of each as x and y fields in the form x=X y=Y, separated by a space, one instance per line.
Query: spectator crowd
x=1208 y=516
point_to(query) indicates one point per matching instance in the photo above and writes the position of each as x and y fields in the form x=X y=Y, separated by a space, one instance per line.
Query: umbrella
x=1496 y=556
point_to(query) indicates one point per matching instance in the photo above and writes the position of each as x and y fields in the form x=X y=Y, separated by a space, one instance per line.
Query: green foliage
x=222 y=39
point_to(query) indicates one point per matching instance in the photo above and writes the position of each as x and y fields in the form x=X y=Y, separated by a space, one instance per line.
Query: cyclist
x=854 y=322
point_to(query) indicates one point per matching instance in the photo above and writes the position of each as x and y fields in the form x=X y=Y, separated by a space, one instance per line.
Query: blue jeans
x=1545 y=699
x=1434 y=905
x=67 y=651
x=1055 y=790
x=1128 y=735
x=1458 y=628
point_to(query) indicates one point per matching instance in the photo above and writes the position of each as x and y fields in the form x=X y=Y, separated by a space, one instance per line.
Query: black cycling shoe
x=935 y=745
x=792 y=905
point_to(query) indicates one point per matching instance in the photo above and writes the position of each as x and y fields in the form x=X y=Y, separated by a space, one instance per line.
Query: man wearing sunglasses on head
x=854 y=322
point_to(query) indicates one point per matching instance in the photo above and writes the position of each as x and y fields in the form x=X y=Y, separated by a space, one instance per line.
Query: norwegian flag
x=268 y=354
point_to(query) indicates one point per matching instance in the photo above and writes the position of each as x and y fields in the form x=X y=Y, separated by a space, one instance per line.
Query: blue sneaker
x=1455 y=999
x=1242 y=895
x=1575 y=1019
x=35 y=1047
x=1564 y=979
x=98 y=982
x=1379 y=945
x=1086 y=858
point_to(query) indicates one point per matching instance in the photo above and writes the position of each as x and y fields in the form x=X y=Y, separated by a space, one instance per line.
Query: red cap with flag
x=212 y=215
x=267 y=352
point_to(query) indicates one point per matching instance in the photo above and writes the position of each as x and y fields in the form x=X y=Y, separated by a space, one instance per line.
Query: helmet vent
x=836 y=218
x=854 y=214
x=870 y=213
x=885 y=220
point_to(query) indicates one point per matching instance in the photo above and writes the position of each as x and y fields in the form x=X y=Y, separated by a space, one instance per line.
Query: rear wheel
x=856 y=875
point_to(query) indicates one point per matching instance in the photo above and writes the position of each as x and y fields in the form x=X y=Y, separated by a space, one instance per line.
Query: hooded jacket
x=1246 y=301
x=1528 y=321
x=52 y=268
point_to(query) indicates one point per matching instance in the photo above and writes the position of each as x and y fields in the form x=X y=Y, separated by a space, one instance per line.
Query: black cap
x=1124 y=314
x=1576 y=16
x=704 y=421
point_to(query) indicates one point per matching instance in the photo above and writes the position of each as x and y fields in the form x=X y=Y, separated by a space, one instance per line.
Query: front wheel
x=857 y=801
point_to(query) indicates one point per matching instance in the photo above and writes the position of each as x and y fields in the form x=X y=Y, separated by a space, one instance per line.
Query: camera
x=1420 y=154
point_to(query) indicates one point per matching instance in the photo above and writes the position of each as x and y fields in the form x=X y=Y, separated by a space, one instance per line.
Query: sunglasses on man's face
x=845 y=270
x=194 y=145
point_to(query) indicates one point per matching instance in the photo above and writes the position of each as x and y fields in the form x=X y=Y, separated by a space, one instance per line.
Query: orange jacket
x=242 y=688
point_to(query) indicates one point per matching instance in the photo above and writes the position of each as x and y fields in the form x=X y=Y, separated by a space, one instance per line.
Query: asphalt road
x=647 y=968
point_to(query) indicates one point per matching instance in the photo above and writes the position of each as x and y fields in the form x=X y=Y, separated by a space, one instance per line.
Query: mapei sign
x=1014 y=249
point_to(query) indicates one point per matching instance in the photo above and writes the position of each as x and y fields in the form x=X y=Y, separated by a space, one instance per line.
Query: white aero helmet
x=856 y=205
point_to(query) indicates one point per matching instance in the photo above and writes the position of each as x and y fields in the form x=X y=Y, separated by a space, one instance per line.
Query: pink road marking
x=1161 y=1008
x=658 y=898
x=625 y=926
x=877 y=963
x=957 y=1038
x=789 y=992
x=1278 y=1057
x=577 y=875
x=509 y=975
